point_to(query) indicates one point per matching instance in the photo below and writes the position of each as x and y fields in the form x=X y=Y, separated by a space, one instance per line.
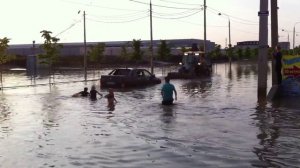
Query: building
x=285 y=45
x=112 y=48
x=254 y=44
x=247 y=44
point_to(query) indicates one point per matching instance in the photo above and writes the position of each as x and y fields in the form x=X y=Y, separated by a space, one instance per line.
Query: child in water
x=94 y=92
x=110 y=98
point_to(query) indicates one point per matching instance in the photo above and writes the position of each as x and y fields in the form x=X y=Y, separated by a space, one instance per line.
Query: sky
x=125 y=20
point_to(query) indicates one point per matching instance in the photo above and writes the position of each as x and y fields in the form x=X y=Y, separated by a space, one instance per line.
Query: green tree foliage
x=216 y=53
x=51 y=49
x=247 y=53
x=96 y=53
x=240 y=53
x=164 y=52
x=137 y=52
x=124 y=52
x=255 y=52
x=230 y=52
x=297 y=50
x=4 y=56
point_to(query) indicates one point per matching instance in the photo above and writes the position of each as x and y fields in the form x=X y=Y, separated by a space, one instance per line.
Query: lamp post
x=294 y=31
x=288 y=35
x=229 y=35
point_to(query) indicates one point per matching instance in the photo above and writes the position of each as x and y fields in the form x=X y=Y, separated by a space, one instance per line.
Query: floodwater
x=216 y=122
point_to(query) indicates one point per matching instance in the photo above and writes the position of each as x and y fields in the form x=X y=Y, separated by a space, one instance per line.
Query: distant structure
x=247 y=44
x=112 y=48
x=285 y=45
x=254 y=44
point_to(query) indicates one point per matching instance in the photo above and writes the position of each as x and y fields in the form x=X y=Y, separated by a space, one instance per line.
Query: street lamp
x=288 y=37
x=229 y=34
x=294 y=37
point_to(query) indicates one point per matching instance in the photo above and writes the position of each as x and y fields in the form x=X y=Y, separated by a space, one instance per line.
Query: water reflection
x=278 y=135
x=5 y=116
x=196 y=88
x=168 y=114
x=50 y=107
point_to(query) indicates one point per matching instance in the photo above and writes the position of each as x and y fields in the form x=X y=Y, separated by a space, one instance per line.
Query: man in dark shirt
x=278 y=64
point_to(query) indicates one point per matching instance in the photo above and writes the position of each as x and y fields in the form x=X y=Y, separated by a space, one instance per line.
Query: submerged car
x=128 y=77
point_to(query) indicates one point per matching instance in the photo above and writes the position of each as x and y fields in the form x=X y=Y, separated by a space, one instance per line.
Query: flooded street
x=216 y=122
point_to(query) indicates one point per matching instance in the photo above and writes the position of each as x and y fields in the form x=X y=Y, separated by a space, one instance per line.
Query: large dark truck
x=128 y=77
x=193 y=65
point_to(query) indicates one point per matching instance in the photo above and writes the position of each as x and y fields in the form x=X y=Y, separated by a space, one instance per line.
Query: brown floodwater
x=216 y=122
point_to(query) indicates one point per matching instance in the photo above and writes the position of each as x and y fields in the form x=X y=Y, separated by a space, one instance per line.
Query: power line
x=127 y=21
x=177 y=17
x=121 y=16
x=180 y=3
x=98 y=6
x=237 y=18
x=174 y=14
x=68 y=28
x=162 y=6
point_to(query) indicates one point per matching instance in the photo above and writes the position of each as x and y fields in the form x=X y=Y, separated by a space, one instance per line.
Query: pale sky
x=118 y=20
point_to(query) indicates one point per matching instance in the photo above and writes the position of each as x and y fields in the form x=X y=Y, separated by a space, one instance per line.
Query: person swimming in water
x=94 y=92
x=83 y=93
x=111 y=100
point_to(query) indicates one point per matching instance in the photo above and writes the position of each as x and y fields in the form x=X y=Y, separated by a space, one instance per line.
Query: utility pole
x=204 y=45
x=274 y=36
x=151 y=36
x=85 y=55
x=229 y=45
x=263 y=50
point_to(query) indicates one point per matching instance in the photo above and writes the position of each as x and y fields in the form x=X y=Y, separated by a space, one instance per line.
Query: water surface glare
x=216 y=122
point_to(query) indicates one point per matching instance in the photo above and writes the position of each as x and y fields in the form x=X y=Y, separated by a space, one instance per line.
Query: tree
x=96 y=53
x=240 y=53
x=51 y=51
x=217 y=51
x=230 y=52
x=137 y=53
x=124 y=52
x=164 y=51
x=255 y=52
x=4 y=56
x=247 y=53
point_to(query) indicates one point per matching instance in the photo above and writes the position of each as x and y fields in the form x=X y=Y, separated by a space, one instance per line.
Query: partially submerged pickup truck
x=128 y=77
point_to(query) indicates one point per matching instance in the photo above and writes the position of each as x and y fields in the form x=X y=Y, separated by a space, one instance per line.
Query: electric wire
x=68 y=28
x=162 y=6
x=180 y=3
x=98 y=6
x=179 y=17
x=234 y=17
x=127 y=21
